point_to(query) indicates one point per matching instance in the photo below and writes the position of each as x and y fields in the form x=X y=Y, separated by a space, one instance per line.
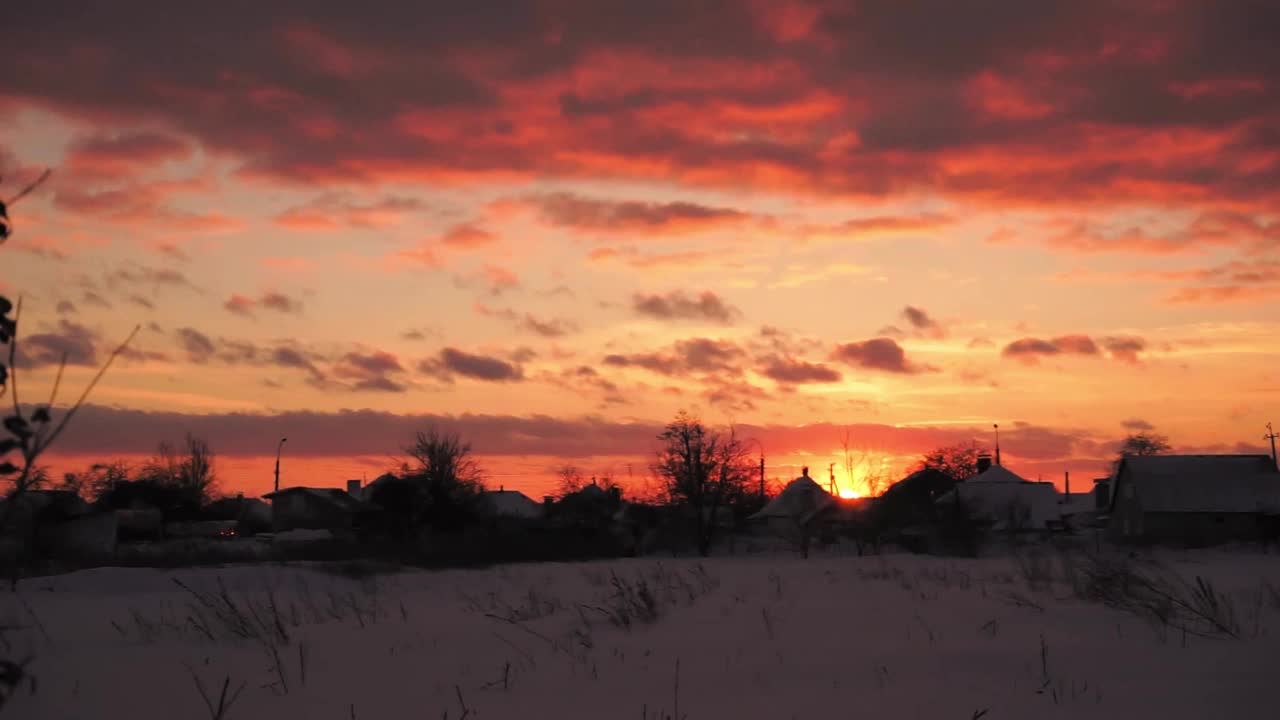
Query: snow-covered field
x=895 y=636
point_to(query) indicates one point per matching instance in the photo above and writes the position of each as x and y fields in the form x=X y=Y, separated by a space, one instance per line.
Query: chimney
x=1067 y=475
x=353 y=487
x=548 y=501
x=1102 y=493
x=984 y=462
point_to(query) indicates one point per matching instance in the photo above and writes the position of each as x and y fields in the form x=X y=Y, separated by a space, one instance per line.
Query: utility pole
x=762 y=476
x=831 y=483
x=1271 y=435
x=278 y=448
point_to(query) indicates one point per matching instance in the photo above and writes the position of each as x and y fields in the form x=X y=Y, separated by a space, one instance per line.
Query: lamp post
x=279 y=447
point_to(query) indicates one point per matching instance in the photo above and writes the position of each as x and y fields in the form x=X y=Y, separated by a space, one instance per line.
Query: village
x=955 y=508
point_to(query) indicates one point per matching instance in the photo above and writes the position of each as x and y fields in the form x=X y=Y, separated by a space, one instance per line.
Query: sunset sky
x=552 y=224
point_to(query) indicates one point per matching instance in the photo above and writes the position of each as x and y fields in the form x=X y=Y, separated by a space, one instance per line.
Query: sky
x=550 y=225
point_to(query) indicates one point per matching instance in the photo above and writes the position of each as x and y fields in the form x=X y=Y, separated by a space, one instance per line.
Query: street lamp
x=279 y=447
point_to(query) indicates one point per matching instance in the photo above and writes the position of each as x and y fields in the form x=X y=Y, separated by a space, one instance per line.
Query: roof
x=512 y=503
x=994 y=492
x=800 y=500
x=1202 y=483
x=333 y=496
x=996 y=474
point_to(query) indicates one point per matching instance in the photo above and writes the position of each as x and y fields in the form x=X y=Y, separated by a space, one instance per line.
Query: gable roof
x=800 y=500
x=995 y=500
x=1201 y=483
x=512 y=503
x=996 y=474
x=331 y=496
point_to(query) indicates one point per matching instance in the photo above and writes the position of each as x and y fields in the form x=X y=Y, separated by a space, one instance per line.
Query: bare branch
x=89 y=388
x=13 y=351
x=35 y=184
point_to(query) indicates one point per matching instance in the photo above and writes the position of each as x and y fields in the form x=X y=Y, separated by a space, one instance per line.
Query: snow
x=800 y=500
x=734 y=637
x=512 y=503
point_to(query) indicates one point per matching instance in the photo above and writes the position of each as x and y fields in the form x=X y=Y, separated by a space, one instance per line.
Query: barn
x=1193 y=499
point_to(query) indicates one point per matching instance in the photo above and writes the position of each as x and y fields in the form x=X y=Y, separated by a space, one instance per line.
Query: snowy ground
x=760 y=637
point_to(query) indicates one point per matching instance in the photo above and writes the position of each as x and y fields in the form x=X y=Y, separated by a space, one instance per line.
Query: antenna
x=997 y=427
x=1271 y=435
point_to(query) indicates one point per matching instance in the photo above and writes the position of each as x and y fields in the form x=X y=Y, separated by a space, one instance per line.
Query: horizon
x=550 y=229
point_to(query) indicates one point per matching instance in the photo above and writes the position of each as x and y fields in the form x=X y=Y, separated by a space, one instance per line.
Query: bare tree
x=703 y=470
x=445 y=460
x=958 y=461
x=190 y=473
x=1141 y=444
x=570 y=479
x=441 y=487
x=864 y=464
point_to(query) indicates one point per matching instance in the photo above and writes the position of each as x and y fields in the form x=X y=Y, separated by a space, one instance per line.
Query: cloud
x=574 y=211
x=452 y=363
x=547 y=328
x=790 y=371
x=72 y=341
x=106 y=432
x=1153 y=104
x=1030 y=349
x=686 y=357
x=1137 y=425
x=288 y=357
x=198 y=346
x=370 y=371
x=336 y=211
x=124 y=154
x=279 y=302
x=1126 y=347
x=877 y=354
x=922 y=322
x=676 y=305
x=467 y=236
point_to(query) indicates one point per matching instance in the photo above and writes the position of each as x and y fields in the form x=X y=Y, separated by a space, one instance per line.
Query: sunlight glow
x=849 y=493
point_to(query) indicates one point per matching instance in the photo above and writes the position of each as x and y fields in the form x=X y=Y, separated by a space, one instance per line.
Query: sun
x=849 y=493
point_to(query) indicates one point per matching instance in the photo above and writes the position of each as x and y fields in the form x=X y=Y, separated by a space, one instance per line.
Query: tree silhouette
x=959 y=462
x=1141 y=444
x=441 y=488
x=703 y=470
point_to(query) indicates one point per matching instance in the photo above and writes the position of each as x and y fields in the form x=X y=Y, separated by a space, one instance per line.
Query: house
x=592 y=506
x=249 y=515
x=59 y=522
x=1193 y=499
x=511 y=504
x=910 y=501
x=315 y=509
x=1003 y=500
x=798 y=512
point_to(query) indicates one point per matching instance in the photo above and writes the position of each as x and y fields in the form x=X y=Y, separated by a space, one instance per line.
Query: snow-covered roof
x=1001 y=496
x=1202 y=483
x=997 y=474
x=512 y=503
x=333 y=496
x=800 y=500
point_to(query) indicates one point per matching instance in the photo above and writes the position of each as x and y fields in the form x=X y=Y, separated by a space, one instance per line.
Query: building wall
x=1200 y=528
x=300 y=510
x=86 y=536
